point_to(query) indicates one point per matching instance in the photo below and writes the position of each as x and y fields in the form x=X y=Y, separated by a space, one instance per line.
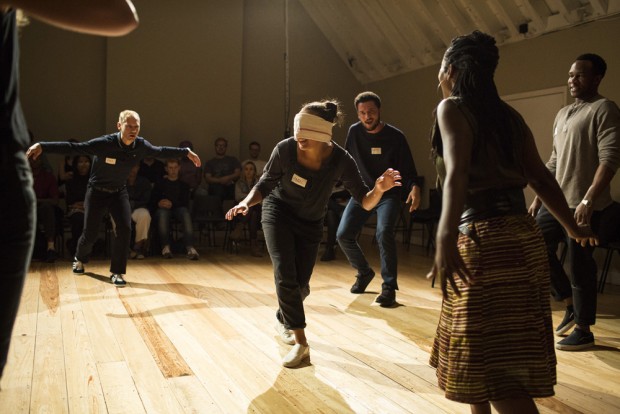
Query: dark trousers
x=332 y=219
x=96 y=204
x=46 y=218
x=293 y=245
x=17 y=210
x=580 y=283
x=76 y=220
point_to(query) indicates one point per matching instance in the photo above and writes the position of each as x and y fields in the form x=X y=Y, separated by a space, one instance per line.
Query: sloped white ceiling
x=378 y=39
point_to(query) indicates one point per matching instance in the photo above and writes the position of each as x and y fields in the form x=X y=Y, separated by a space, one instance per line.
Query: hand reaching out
x=448 y=264
x=389 y=179
x=241 y=208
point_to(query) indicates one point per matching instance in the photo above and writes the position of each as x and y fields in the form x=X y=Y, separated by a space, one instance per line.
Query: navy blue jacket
x=112 y=160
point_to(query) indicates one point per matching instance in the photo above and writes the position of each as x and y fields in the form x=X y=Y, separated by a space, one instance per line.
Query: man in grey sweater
x=585 y=157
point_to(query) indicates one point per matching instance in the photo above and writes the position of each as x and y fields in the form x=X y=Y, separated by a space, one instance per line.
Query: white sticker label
x=375 y=151
x=111 y=161
x=299 y=180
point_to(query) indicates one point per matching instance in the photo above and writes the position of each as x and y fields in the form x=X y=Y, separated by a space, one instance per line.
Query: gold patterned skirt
x=496 y=340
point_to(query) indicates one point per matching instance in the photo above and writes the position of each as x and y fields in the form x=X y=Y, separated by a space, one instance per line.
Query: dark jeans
x=293 y=245
x=580 y=283
x=96 y=204
x=46 y=218
x=252 y=219
x=76 y=221
x=351 y=224
x=181 y=214
x=332 y=219
x=17 y=210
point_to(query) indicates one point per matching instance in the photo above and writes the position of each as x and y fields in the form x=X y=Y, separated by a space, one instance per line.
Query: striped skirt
x=496 y=340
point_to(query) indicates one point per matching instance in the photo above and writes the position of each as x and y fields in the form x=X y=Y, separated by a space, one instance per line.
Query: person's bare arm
x=602 y=178
x=98 y=17
x=389 y=179
x=547 y=189
x=254 y=197
x=457 y=138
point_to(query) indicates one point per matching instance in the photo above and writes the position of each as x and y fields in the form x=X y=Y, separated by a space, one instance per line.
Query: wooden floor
x=198 y=337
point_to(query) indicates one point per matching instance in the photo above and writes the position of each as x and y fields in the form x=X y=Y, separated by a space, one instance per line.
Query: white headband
x=308 y=126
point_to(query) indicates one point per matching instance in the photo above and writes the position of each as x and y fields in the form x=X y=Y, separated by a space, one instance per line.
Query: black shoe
x=78 y=267
x=117 y=280
x=567 y=323
x=328 y=255
x=362 y=282
x=576 y=341
x=51 y=256
x=387 y=298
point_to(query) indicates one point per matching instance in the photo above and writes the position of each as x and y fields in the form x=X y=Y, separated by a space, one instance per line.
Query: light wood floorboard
x=198 y=337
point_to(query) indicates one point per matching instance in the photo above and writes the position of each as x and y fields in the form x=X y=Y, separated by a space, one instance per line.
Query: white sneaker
x=166 y=252
x=285 y=335
x=296 y=356
x=192 y=254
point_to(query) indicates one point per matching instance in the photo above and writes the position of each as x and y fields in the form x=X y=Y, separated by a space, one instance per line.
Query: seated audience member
x=171 y=199
x=76 y=188
x=152 y=169
x=189 y=173
x=254 y=150
x=65 y=167
x=139 y=192
x=46 y=191
x=335 y=207
x=222 y=171
x=252 y=217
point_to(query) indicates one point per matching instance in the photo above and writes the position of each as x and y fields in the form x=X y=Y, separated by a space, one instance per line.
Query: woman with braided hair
x=494 y=341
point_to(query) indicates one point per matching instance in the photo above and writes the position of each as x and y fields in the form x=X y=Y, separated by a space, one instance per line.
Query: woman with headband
x=295 y=189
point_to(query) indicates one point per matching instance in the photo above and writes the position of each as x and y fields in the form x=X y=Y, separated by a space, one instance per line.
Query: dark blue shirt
x=176 y=191
x=375 y=153
x=113 y=160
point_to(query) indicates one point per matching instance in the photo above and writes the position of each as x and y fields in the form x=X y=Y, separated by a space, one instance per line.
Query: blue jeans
x=351 y=224
x=181 y=214
x=17 y=210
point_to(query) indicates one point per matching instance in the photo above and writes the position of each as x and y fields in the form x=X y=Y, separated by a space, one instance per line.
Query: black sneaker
x=576 y=341
x=362 y=282
x=117 y=280
x=328 y=255
x=567 y=323
x=387 y=298
x=78 y=267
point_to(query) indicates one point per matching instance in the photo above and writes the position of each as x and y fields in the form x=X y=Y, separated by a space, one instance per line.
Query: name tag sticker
x=111 y=161
x=375 y=150
x=299 y=180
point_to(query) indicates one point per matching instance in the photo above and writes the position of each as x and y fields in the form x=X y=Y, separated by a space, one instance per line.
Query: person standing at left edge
x=113 y=157
x=17 y=209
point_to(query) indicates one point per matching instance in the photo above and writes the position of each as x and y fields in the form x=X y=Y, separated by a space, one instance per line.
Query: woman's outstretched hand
x=240 y=208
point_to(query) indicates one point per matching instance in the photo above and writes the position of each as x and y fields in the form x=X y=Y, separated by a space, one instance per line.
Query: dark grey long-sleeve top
x=306 y=192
